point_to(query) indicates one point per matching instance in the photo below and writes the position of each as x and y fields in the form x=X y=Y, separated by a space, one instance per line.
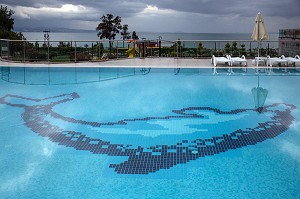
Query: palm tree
x=125 y=34
x=109 y=27
x=134 y=36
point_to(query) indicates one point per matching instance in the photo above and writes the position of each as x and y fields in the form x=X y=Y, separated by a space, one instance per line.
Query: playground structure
x=140 y=48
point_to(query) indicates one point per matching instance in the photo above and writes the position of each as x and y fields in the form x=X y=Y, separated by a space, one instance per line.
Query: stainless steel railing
x=91 y=50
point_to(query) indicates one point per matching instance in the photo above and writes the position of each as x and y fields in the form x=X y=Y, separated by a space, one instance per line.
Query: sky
x=190 y=16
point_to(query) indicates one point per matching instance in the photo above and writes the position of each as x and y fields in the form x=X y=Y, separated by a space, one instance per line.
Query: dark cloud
x=186 y=12
x=31 y=3
x=117 y=7
x=282 y=8
x=286 y=8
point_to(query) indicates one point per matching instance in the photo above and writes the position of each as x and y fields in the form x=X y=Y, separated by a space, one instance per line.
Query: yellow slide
x=130 y=53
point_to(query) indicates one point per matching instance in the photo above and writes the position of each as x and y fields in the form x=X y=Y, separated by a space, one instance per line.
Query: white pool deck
x=136 y=62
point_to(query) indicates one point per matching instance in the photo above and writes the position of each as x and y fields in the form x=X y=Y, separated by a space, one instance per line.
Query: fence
x=76 y=51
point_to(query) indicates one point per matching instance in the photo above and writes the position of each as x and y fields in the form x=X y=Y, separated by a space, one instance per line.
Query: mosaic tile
x=144 y=160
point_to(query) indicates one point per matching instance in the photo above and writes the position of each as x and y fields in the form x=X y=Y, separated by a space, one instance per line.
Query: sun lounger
x=292 y=60
x=222 y=60
x=241 y=61
x=276 y=60
x=259 y=61
x=237 y=60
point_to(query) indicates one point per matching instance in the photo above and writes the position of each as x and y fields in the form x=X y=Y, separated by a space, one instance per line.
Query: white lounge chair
x=292 y=60
x=237 y=60
x=276 y=60
x=259 y=61
x=223 y=60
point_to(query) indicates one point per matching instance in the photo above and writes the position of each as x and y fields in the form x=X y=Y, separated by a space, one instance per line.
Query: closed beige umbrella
x=260 y=32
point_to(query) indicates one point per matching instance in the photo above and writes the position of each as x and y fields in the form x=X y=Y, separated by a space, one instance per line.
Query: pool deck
x=156 y=62
x=136 y=62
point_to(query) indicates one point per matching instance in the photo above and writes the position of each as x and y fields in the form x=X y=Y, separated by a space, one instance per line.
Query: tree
x=109 y=27
x=200 y=49
x=7 y=25
x=134 y=36
x=62 y=44
x=125 y=34
x=6 y=20
x=6 y=31
x=99 y=49
x=227 y=48
x=235 y=50
x=243 y=49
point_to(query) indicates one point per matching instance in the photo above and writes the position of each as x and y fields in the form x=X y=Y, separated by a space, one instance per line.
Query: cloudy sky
x=195 y=16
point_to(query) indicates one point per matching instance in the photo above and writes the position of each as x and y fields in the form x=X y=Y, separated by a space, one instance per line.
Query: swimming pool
x=148 y=133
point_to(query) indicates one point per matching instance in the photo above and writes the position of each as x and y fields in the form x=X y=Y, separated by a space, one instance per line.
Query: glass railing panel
x=85 y=75
x=37 y=75
x=62 y=75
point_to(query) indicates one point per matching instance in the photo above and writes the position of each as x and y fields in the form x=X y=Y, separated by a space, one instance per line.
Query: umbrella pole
x=257 y=91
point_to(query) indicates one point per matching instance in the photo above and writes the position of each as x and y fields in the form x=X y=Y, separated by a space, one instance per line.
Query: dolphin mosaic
x=152 y=158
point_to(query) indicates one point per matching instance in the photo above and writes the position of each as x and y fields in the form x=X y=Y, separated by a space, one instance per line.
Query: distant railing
x=77 y=51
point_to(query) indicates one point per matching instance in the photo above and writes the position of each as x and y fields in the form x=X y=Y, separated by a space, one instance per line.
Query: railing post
x=48 y=51
x=177 y=48
x=8 y=49
x=159 y=46
x=215 y=47
x=0 y=48
x=92 y=50
x=75 y=56
x=250 y=49
x=99 y=50
x=117 y=49
x=24 y=51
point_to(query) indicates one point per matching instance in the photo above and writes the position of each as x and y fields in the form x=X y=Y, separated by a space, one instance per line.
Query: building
x=289 y=42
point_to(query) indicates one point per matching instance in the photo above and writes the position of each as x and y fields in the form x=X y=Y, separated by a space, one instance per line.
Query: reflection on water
x=259 y=95
x=79 y=75
x=70 y=75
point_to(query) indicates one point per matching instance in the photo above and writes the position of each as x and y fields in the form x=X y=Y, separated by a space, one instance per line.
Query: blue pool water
x=151 y=133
